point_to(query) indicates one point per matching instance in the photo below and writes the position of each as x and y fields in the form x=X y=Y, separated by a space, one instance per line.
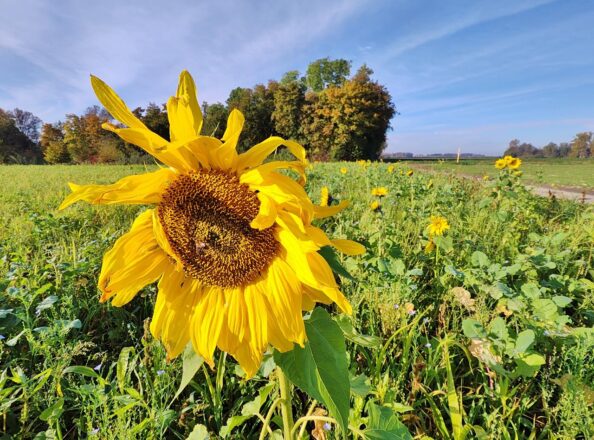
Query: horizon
x=470 y=74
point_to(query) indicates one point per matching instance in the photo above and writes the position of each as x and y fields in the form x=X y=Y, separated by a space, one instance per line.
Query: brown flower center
x=206 y=217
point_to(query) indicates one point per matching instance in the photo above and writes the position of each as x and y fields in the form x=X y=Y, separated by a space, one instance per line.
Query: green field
x=571 y=173
x=488 y=335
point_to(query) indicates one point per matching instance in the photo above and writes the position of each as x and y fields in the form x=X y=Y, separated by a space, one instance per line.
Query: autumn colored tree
x=289 y=99
x=581 y=145
x=348 y=122
x=83 y=134
x=52 y=144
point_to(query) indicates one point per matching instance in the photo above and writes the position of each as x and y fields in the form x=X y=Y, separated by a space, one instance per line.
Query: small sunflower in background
x=375 y=206
x=391 y=169
x=380 y=191
x=343 y=170
x=514 y=163
x=409 y=173
x=325 y=197
x=437 y=226
x=229 y=239
x=500 y=164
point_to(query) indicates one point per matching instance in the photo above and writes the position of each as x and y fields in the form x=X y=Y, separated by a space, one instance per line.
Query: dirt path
x=575 y=194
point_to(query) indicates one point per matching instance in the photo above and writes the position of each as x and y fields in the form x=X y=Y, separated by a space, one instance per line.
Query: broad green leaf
x=84 y=371
x=346 y=325
x=332 y=259
x=360 y=385
x=383 y=424
x=561 y=301
x=232 y=423
x=199 y=433
x=46 y=303
x=320 y=368
x=253 y=407
x=191 y=361
x=53 y=412
x=524 y=341
x=531 y=290
x=122 y=366
x=527 y=365
x=498 y=329
x=545 y=309
x=473 y=329
x=479 y=259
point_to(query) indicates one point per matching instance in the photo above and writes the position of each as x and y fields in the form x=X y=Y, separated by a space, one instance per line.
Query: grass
x=489 y=335
x=572 y=173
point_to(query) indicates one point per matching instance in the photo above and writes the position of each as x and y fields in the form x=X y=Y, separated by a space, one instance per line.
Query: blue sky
x=463 y=73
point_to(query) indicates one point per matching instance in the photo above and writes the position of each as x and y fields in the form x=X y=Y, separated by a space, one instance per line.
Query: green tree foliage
x=289 y=99
x=581 y=146
x=15 y=146
x=348 y=122
x=550 y=150
x=523 y=149
x=324 y=73
x=257 y=105
x=215 y=119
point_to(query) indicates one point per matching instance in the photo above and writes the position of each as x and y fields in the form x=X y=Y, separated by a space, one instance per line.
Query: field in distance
x=569 y=173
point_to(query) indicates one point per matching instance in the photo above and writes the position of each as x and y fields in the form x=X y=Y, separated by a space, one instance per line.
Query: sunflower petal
x=259 y=152
x=348 y=247
x=138 y=189
x=115 y=105
x=266 y=214
x=225 y=157
x=187 y=89
x=328 y=211
x=257 y=317
x=207 y=322
x=134 y=261
x=174 y=307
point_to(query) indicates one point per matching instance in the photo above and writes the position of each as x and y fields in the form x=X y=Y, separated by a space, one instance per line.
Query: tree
x=52 y=144
x=523 y=149
x=581 y=146
x=289 y=99
x=155 y=118
x=27 y=123
x=257 y=105
x=564 y=149
x=83 y=134
x=215 y=119
x=15 y=146
x=325 y=73
x=550 y=150
x=348 y=122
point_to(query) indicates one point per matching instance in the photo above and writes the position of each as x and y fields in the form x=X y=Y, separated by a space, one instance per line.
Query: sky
x=468 y=74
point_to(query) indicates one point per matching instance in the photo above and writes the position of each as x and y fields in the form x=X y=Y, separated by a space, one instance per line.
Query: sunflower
x=375 y=206
x=500 y=164
x=514 y=163
x=437 y=226
x=391 y=169
x=325 y=198
x=229 y=239
x=343 y=170
x=379 y=191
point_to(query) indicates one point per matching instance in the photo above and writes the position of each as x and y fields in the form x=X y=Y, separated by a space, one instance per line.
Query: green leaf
x=84 y=371
x=320 y=368
x=346 y=325
x=253 y=407
x=360 y=385
x=383 y=424
x=191 y=361
x=545 y=309
x=561 y=301
x=473 y=329
x=232 y=423
x=199 y=433
x=479 y=259
x=524 y=341
x=53 y=412
x=531 y=290
x=527 y=365
x=122 y=366
x=46 y=303
x=498 y=329
x=332 y=259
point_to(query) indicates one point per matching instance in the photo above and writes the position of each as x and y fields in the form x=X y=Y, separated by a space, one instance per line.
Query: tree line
x=580 y=147
x=336 y=116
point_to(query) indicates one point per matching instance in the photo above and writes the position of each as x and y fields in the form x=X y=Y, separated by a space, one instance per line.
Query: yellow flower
x=343 y=170
x=508 y=159
x=380 y=191
x=324 y=196
x=391 y=169
x=409 y=173
x=514 y=163
x=486 y=177
x=375 y=206
x=437 y=226
x=500 y=164
x=228 y=238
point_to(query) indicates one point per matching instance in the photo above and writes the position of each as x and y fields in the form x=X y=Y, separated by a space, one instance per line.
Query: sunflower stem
x=285 y=404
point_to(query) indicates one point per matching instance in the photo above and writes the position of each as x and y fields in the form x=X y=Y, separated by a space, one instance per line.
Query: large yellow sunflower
x=229 y=239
